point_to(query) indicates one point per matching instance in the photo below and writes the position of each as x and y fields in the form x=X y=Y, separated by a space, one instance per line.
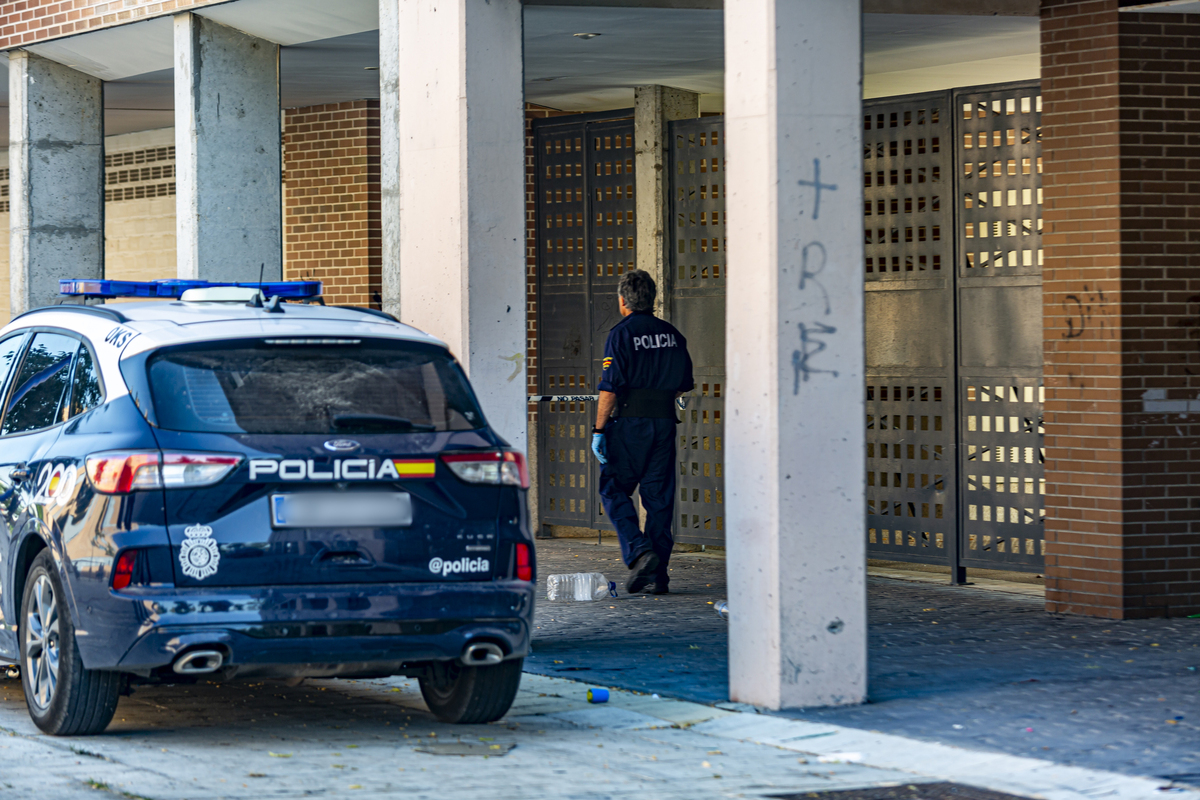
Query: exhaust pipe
x=482 y=654
x=199 y=662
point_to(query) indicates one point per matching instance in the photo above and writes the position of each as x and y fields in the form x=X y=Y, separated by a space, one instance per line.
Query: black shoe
x=641 y=574
x=660 y=588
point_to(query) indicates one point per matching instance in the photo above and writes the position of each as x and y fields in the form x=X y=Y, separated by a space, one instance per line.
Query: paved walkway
x=968 y=666
x=374 y=739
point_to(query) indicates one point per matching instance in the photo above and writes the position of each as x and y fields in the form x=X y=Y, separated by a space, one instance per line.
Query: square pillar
x=795 y=411
x=653 y=108
x=227 y=153
x=56 y=188
x=461 y=199
x=389 y=152
x=1121 y=310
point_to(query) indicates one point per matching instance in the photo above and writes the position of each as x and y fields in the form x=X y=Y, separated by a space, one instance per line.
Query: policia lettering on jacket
x=646 y=367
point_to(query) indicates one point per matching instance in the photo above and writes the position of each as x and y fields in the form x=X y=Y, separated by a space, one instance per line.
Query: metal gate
x=909 y=308
x=952 y=211
x=952 y=276
x=697 y=308
x=1000 y=326
x=586 y=242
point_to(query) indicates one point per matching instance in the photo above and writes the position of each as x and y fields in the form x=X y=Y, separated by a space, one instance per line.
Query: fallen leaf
x=279 y=755
x=255 y=775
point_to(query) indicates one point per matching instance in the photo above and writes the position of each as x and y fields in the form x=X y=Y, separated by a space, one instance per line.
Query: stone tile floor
x=967 y=666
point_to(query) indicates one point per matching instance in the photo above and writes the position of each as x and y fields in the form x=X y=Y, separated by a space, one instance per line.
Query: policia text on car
x=646 y=367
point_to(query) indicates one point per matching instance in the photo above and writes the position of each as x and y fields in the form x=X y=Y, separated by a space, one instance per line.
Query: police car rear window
x=279 y=388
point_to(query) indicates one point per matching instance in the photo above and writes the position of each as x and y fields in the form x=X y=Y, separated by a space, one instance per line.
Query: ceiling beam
x=987 y=8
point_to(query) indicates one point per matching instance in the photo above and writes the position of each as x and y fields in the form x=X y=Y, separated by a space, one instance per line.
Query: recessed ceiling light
x=585 y=36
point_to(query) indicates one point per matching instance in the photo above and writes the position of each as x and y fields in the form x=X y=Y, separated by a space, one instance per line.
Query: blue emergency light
x=174 y=289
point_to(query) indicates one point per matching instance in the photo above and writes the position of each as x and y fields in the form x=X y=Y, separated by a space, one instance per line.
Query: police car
x=231 y=481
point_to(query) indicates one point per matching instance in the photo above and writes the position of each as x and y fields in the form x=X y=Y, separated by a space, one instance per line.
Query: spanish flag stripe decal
x=415 y=468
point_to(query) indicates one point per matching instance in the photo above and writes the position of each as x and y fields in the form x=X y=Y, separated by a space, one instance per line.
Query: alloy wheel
x=42 y=643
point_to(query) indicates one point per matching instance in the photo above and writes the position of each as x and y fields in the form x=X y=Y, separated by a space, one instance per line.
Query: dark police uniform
x=646 y=363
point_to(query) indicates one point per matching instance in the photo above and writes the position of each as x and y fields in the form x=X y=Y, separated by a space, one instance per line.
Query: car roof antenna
x=257 y=302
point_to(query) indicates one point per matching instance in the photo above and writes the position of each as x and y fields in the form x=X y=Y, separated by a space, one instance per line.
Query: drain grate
x=910 y=791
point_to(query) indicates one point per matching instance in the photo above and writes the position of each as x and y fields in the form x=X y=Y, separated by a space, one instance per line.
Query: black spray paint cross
x=817 y=187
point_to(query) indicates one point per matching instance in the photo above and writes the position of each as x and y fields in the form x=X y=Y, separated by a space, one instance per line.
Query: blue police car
x=210 y=486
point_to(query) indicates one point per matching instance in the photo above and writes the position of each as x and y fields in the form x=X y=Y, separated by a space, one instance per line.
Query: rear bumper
x=327 y=630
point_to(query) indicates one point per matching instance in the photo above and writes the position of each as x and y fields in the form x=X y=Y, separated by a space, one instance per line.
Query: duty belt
x=652 y=403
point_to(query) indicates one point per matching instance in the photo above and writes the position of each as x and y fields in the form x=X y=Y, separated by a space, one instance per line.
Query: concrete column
x=462 y=183
x=653 y=108
x=389 y=151
x=794 y=418
x=56 y=188
x=227 y=153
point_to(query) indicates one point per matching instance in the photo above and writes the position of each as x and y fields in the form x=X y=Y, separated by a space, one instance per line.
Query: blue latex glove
x=600 y=448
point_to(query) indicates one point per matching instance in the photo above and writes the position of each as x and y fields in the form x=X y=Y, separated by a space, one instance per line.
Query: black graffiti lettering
x=809 y=347
x=809 y=273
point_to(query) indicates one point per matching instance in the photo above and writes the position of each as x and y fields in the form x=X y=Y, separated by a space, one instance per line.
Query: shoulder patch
x=607 y=362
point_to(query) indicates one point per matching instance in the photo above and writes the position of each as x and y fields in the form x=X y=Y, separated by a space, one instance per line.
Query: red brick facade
x=1121 y=93
x=29 y=21
x=331 y=188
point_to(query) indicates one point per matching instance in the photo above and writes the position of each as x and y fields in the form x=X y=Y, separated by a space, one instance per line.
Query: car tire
x=63 y=697
x=469 y=695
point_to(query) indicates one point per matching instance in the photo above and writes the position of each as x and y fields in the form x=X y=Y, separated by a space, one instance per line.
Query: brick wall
x=28 y=21
x=1081 y=217
x=1120 y=349
x=1160 y=303
x=331 y=200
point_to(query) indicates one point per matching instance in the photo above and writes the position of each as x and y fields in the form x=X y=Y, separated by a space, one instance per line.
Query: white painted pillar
x=653 y=108
x=56 y=186
x=389 y=151
x=794 y=347
x=228 y=148
x=462 y=184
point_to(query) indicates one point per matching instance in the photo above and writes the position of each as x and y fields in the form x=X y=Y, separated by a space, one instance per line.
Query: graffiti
x=1081 y=308
x=817 y=187
x=809 y=275
x=810 y=346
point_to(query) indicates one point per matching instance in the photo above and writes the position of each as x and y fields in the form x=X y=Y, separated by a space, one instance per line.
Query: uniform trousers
x=641 y=455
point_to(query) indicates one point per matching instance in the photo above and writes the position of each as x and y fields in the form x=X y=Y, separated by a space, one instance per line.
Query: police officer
x=646 y=367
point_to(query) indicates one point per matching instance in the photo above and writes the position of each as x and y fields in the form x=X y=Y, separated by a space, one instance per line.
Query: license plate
x=341 y=510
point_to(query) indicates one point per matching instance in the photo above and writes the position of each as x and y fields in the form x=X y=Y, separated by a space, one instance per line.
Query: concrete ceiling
x=681 y=47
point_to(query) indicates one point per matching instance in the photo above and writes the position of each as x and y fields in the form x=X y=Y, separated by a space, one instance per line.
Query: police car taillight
x=506 y=467
x=524 y=568
x=122 y=574
x=125 y=472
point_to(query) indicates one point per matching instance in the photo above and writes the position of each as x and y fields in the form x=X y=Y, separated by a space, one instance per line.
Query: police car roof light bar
x=174 y=289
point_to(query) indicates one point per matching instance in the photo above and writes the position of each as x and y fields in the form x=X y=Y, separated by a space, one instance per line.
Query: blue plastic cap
x=174 y=289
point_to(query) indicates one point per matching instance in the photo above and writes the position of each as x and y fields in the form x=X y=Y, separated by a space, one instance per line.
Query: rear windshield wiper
x=379 y=422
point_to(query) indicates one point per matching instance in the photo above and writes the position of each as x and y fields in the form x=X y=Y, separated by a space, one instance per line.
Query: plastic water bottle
x=722 y=609
x=579 y=586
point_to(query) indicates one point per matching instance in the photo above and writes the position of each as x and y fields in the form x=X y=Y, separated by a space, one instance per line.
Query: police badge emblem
x=198 y=554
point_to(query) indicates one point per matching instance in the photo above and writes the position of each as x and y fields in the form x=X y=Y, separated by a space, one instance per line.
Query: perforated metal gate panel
x=612 y=249
x=697 y=308
x=585 y=208
x=909 y=282
x=566 y=480
x=998 y=133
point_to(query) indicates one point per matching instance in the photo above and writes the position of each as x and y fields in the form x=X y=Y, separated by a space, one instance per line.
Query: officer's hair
x=637 y=289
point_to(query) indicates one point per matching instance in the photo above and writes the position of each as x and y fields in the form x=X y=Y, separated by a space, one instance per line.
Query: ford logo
x=341 y=445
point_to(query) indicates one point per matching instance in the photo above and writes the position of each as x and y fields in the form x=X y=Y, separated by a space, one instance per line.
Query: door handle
x=19 y=474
